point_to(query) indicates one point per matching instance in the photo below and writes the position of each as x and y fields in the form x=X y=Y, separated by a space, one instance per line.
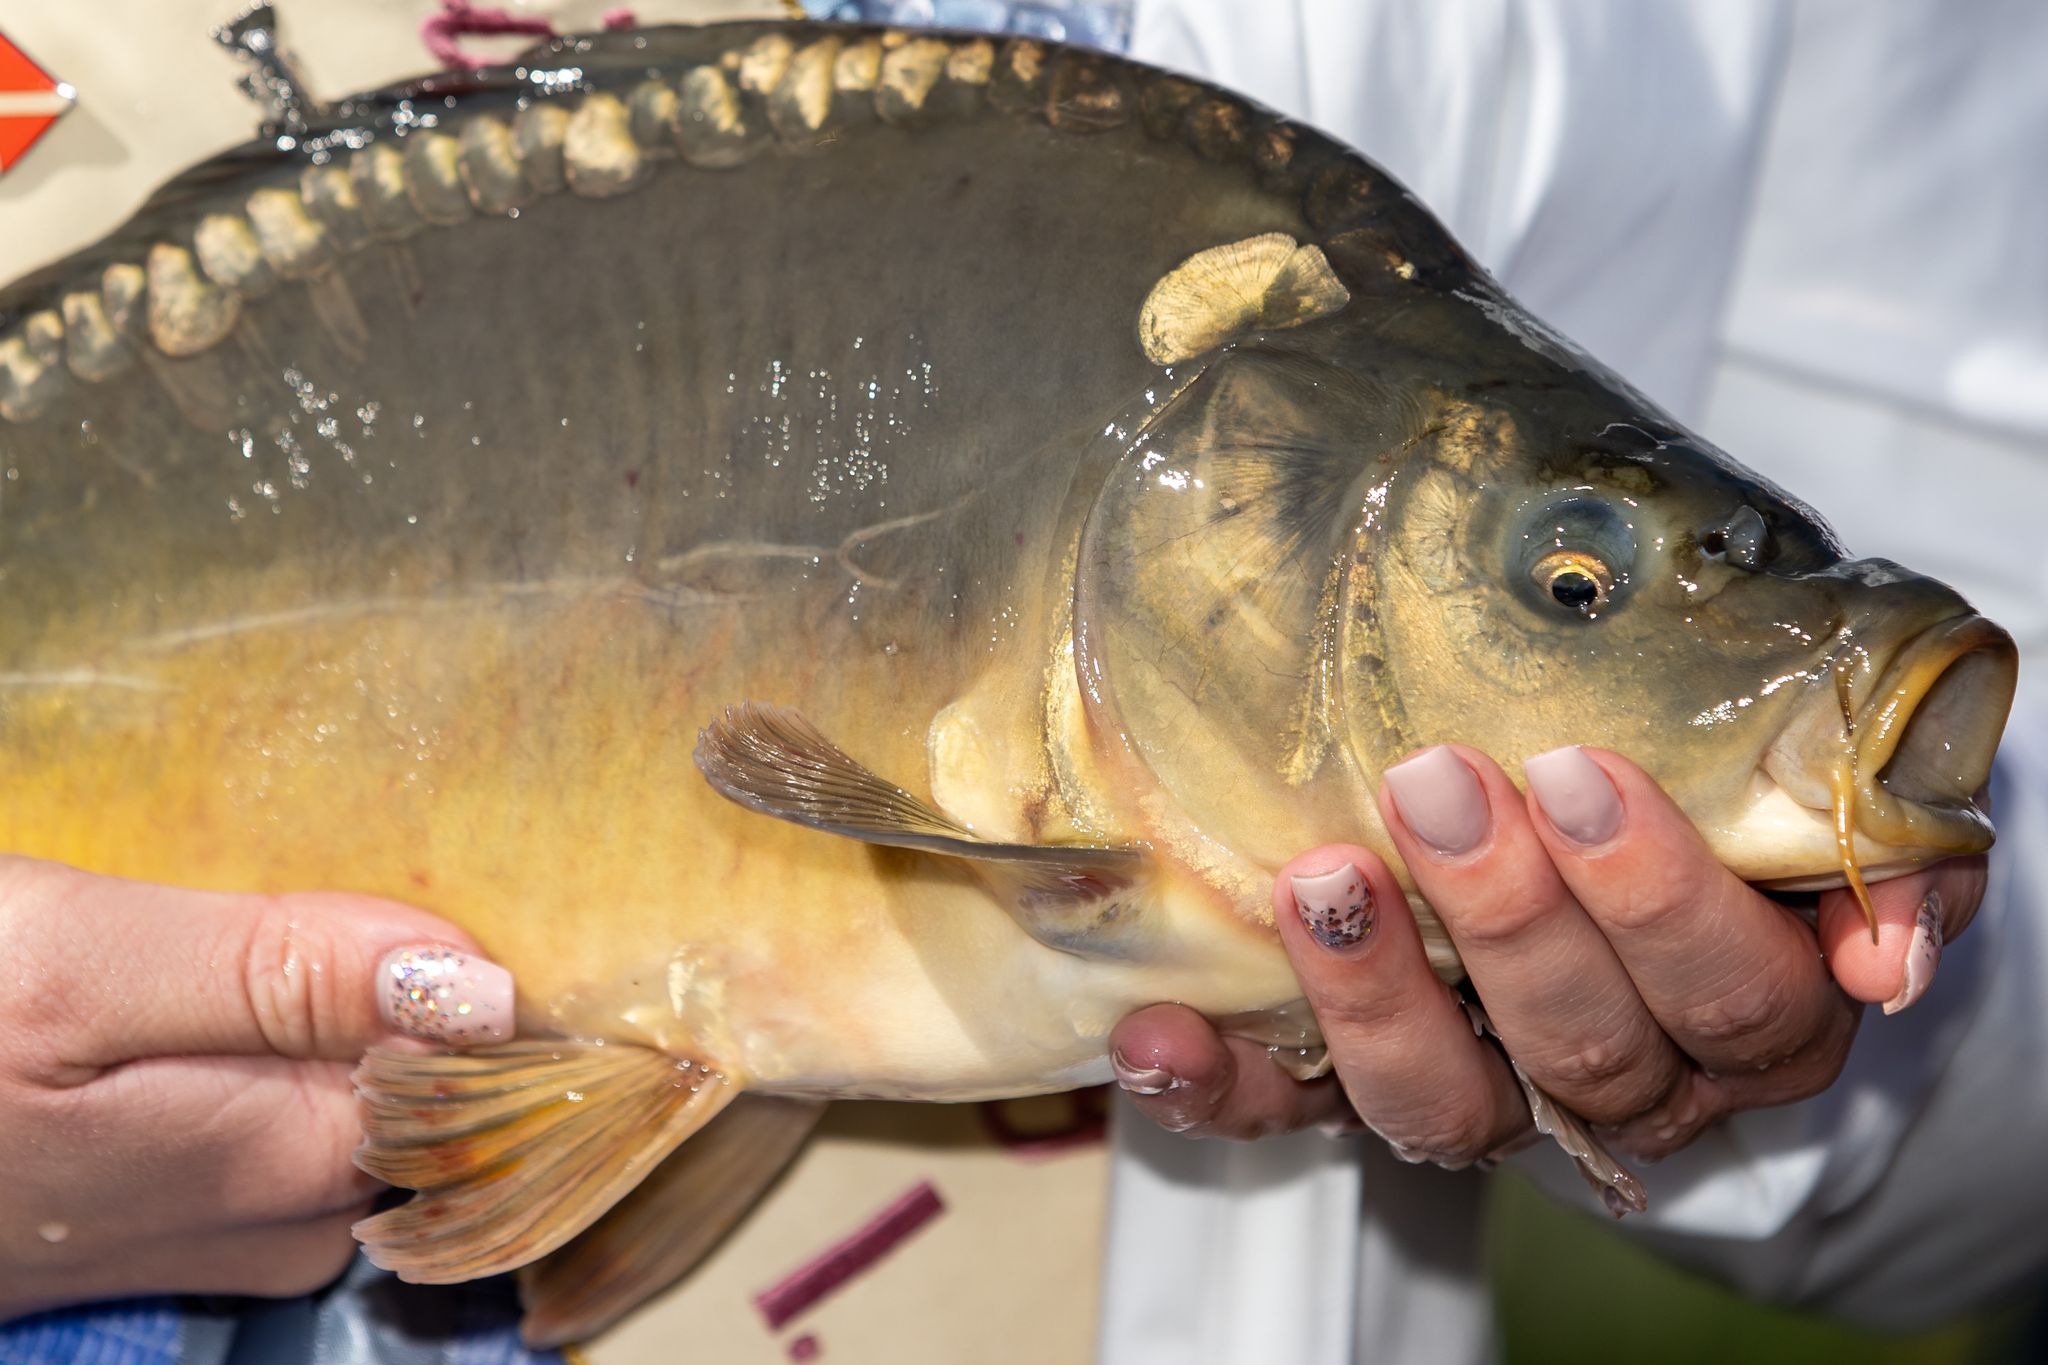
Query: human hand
x=175 y=1106
x=1633 y=977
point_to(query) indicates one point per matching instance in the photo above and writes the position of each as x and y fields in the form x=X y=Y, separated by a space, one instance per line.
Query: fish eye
x=1575 y=579
x=1577 y=554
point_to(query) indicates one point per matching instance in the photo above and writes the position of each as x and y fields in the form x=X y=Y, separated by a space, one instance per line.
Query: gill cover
x=1209 y=592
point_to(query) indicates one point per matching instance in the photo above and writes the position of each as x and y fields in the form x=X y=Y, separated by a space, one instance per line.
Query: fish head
x=1335 y=543
x=1552 y=560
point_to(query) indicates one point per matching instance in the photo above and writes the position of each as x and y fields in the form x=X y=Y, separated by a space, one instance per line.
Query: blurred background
x=1823 y=243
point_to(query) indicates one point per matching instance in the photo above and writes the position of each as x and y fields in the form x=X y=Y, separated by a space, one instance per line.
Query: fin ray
x=517 y=1148
x=1617 y=1186
x=1071 y=897
x=772 y=760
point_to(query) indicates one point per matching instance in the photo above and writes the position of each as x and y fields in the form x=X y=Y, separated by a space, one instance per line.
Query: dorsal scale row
x=795 y=88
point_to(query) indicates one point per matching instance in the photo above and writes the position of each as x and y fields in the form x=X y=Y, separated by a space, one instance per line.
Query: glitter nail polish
x=445 y=996
x=1336 y=906
x=1923 y=955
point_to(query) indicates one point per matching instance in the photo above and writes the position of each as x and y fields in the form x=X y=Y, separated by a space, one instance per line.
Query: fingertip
x=1609 y=827
x=443 y=995
x=1876 y=972
x=1165 y=1049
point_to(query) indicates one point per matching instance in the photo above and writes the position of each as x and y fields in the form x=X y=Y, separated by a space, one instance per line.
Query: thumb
x=1915 y=914
x=128 y=970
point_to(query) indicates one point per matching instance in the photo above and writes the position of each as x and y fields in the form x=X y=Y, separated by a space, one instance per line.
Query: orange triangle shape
x=18 y=134
x=17 y=72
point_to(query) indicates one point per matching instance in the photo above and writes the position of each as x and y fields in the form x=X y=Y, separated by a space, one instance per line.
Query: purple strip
x=840 y=1263
x=458 y=19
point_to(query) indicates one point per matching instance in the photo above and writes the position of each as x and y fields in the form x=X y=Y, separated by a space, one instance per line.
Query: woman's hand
x=175 y=1106
x=1633 y=977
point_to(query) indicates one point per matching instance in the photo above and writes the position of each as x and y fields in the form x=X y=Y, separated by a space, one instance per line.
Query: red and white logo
x=30 y=101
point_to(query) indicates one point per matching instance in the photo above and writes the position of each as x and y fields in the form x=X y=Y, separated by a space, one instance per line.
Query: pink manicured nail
x=1140 y=1080
x=1576 y=794
x=1923 y=955
x=1441 y=800
x=1336 y=906
x=445 y=996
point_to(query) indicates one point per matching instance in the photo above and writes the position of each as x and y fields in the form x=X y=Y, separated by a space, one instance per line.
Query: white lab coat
x=1814 y=229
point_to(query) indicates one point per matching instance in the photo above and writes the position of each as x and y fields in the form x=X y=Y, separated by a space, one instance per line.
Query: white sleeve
x=1596 y=157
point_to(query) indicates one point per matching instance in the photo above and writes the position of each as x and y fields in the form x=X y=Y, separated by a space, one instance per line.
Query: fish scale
x=1053 y=490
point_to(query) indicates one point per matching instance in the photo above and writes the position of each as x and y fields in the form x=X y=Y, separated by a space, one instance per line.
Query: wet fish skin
x=1112 y=463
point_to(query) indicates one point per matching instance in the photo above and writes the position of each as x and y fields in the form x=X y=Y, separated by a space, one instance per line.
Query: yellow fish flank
x=846 y=560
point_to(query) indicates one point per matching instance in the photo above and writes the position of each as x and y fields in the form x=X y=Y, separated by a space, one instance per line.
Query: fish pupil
x=1575 y=590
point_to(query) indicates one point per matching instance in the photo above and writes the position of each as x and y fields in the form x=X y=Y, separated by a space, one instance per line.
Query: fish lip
x=1908 y=824
x=1966 y=660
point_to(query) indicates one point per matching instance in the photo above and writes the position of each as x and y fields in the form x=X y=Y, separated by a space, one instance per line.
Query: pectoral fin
x=772 y=760
x=517 y=1148
x=1616 y=1185
x=657 y=1233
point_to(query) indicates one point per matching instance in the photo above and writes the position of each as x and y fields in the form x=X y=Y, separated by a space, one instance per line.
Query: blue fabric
x=367 y=1318
x=1098 y=23
x=142 y=1332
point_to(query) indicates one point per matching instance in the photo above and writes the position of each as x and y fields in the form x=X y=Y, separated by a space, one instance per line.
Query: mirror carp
x=847 y=558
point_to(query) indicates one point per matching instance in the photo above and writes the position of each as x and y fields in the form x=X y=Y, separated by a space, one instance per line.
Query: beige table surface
x=1008 y=1272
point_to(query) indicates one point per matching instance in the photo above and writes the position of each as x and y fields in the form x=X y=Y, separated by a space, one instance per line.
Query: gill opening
x=1844 y=799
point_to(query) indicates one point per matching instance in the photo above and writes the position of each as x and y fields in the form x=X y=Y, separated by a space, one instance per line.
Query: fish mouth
x=1926 y=737
x=1900 y=773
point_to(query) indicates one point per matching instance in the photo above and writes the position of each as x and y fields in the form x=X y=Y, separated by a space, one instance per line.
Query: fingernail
x=445 y=996
x=1441 y=800
x=1923 y=954
x=1416 y=1157
x=1576 y=795
x=1140 y=1080
x=1336 y=906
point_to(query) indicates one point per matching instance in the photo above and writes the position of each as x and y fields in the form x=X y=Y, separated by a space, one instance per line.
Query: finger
x=285 y=1260
x=1565 y=1006
x=1401 y=1045
x=125 y=970
x=1733 y=977
x=282 y=1260
x=1186 y=1078
x=1916 y=915
x=241 y=1141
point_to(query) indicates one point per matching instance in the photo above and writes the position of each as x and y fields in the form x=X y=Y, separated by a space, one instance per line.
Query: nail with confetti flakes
x=445 y=996
x=1335 y=905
